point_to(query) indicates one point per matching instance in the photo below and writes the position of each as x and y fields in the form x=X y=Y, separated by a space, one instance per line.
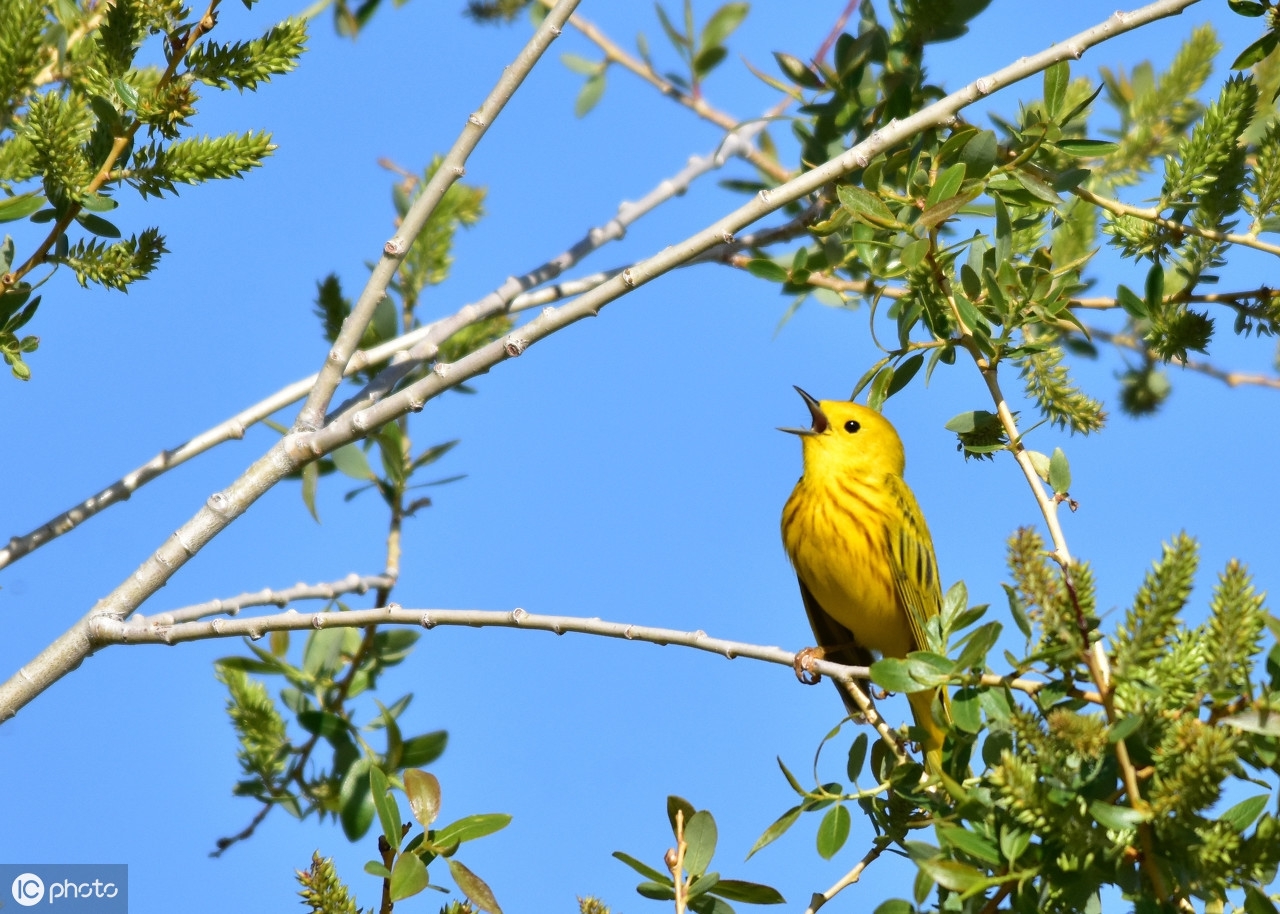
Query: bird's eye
x=852 y=426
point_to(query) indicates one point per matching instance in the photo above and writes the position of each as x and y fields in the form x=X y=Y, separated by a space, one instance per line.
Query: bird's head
x=847 y=437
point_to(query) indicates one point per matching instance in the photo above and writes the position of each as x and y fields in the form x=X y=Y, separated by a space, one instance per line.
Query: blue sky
x=626 y=468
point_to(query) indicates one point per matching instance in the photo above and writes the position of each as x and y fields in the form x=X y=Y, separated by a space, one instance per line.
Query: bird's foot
x=804 y=662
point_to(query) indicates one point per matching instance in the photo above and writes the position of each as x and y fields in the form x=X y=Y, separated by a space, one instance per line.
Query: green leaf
x=700 y=835
x=1132 y=304
x=880 y=388
x=1256 y=51
x=951 y=874
x=581 y=65
x=857 y=756
x=947 y=185
x=775 y=831
x=895 y=906
x=681 y=41
x=387 y=807
x=96 y=203
x=1086 y=148
x=323 y=723
x=356 y=801
x=1249 y=8
x=1255 y=722
x=797 y=71
x=96 y=224
x=747 y=892
x=723 y=22
x=1117 y=818
x=658 y=891
x=424 y=749
x=700 y=885
x=767 y=269
x=127 y=94
x=966 y=709
x=1038 y=189
x=423 y=791
x=1155 y=289
x=979 y=154
x=1013 y=841
x=929 y=669
x=977 y=645
x=477 y=892
x=973 y=319
x=866 y=207
x=1256 y=901
x=388 y=810
x=904 y=372
x=322 y=656
x=1246 y=812
x=310 y=479
x=1059 y=472
x=19 y=207
x=408 y=877
x=791 y=778
x=893 y=675
x=833 y=831
x=376 y=869
x=1056 y=80
x=679 y=805
x=970 y=843
x=708 y=59
x=590 y=94
x=471 y=827
x=351 y=461
x=643 y=869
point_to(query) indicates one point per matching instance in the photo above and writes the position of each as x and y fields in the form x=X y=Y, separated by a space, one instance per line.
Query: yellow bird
x=860 y=547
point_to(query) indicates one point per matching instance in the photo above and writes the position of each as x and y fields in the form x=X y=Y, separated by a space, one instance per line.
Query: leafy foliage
x=1051 y=819
x=687 y=865
x=405 y=861
x=73 y=99
x=246 y=64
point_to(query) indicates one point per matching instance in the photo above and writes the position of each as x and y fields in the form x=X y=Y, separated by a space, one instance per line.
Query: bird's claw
x=803 y=665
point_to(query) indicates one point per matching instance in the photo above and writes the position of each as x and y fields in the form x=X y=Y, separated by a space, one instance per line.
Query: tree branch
x=352 y=583
x=299 y=447
x=1230 y=378
x=514 y=295
x=849 y=878
x=393 y=252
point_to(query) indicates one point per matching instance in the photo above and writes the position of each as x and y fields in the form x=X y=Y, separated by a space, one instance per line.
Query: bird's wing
x=837 y=643
x=915 y=570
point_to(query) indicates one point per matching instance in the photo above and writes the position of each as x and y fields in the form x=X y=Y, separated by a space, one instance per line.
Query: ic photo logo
x=28 y=889
x=75 y=888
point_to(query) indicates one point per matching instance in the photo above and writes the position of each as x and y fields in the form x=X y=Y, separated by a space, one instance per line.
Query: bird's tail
x=922 y=709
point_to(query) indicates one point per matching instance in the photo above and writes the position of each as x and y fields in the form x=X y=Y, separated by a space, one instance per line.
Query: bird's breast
x=837 y=537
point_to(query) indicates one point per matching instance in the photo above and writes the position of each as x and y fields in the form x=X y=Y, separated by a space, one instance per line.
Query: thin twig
x=835 y=31
x=1153 y=216
x=695 y=103
x=352 y=583
x=675 y=863
x=849 y=878
x=497 y=302
x=1230 y=378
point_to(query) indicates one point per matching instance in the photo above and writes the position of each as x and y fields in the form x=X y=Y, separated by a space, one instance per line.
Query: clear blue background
x=626 y=468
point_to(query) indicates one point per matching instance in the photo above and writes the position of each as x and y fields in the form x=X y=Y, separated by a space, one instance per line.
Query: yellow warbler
x=860 y=547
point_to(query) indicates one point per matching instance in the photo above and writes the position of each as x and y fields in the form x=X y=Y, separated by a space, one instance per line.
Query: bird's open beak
x=820 y=423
